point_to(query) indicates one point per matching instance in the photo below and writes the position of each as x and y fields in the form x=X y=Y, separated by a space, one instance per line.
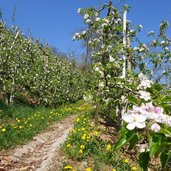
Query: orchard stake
x=124 y=43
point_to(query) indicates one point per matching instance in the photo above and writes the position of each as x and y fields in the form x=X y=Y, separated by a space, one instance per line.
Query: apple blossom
x=86 y=16
x=134 y=120
x=155 y=127
x=145 y=95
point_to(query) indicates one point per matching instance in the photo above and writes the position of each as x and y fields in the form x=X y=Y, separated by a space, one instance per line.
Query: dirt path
x=40 y=154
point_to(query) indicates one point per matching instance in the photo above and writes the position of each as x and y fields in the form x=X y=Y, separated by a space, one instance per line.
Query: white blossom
x=79 y=10
x=163 y=42
x=88 y=21
x=111 y=59
x=84 y=32
x=109 y=48
x=96 y=69
x=88 y=97
x=86 y=16
x=104 y=25
x=76 y=36
x=155 y=127
x=97 y=19
x=101 y=84
x=140 y=26
x=145 y=82
x=145 y=95
x=150 y=33
x=134 y=120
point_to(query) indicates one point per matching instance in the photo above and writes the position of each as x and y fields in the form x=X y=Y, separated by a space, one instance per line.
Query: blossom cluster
x=144 y=84
x=141 y=116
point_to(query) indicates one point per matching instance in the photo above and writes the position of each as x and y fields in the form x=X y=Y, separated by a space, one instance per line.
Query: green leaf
x=125 y=137
x=133 y=99
x=166 y=130
x=164 y=158
x=144 y=159
x=155 y=144
x=134 y=141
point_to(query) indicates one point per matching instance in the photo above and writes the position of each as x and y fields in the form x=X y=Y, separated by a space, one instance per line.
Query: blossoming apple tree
x=139 y=104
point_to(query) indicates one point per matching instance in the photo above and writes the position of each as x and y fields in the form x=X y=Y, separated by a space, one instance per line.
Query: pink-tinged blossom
x=134 y=120
x=155 y=127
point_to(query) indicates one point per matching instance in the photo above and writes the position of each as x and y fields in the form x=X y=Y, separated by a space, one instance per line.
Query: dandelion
x=81 y=151
x=83 y=137
x=96 y=133
x=126 y=161
x=3 y=130
x=88 y=169
x=20 y=127
x=68 y=167
x=82 y=146
x=68 y=145
x=133 y=168
x=82 y=129
x=108 y=147
x=114 y=169
x=18 y=120
x=73 y=130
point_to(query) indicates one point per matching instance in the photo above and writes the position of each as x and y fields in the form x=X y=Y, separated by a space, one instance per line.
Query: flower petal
x=140 y=125
x=130 y=126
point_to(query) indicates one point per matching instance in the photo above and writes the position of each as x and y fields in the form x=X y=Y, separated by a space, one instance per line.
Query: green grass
x=84 y=144
x=25 y=121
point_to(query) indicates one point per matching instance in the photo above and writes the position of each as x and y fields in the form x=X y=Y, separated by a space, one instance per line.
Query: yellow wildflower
x=126 y=161
x=18 y=120
x=83 y=137
x=82 y=146
x=88 y=136
x=78 y=119
x=114 y=169
x=80 y=151
x=68 y=167
x=96 y=133
x=82 y=129
x=108 y=147
x=3 y=130
x=20 y=127
x=73 y=130
x=88 y=169
x=133 y=168
x=30 y=125
x=68 y=145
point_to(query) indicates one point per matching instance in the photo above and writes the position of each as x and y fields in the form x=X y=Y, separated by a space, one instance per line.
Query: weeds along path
x=40 y=154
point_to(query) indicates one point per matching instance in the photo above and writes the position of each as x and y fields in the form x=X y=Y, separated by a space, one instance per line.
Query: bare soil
x=42 y=153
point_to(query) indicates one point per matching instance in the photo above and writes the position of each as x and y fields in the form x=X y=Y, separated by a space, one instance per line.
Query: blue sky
x=55 y=21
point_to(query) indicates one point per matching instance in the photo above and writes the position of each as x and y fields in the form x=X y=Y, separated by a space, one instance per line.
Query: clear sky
x=55 y=21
